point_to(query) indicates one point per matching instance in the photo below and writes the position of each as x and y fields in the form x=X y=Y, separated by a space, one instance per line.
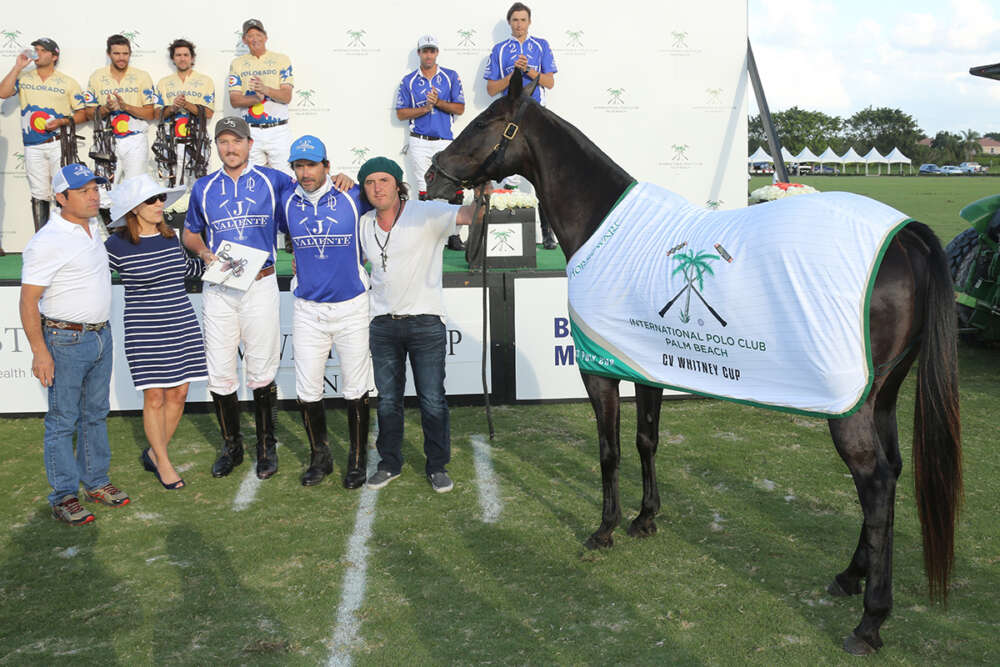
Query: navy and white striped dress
x=163 y=341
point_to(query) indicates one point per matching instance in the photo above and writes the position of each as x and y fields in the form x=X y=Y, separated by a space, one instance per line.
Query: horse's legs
x=875 y=465
x=647 y=407
x=603 y=393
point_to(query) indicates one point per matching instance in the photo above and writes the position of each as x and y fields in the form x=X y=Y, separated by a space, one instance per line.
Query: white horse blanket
x=766 y=305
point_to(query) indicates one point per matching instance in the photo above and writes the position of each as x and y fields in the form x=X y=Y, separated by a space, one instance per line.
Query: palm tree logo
x=355 y=38
x=680 y=39
x=359 y=154
x=714 y=95
x=714 y=204
x=574 y=39
x=466 y=36
x=502 y=237
x=306 y=96
x=130 y=35
x=20 y=160
x=694 y=267
x=10 y=38
x=680 y=152
x=616 y=95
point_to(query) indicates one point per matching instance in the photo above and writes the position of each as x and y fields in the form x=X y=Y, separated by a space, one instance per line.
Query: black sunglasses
x=155 y=198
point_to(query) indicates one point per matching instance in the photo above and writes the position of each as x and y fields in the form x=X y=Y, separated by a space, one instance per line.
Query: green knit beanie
x=377 y=164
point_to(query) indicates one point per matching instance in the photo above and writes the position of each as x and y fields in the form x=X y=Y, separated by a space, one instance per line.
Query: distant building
x=990 y=146
x=926 y=141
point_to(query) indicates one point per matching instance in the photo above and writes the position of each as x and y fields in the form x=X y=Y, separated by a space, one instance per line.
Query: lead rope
x=481 y=203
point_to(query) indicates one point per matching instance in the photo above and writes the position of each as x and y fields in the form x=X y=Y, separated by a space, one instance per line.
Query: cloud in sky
x=841 y=57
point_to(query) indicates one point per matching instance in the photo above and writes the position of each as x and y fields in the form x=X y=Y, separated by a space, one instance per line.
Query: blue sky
x=840 y=56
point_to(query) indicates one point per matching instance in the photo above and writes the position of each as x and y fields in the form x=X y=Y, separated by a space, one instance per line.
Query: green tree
x=947 y=147
x=883 y=128
x=970 y=144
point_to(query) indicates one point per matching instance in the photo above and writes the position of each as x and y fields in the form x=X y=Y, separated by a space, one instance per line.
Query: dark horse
x=911 y=314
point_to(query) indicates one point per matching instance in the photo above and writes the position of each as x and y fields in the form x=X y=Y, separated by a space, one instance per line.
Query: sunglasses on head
x=155 y=198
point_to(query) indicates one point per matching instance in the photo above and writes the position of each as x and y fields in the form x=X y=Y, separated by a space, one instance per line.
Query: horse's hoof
x=857 y=646
x=598 y=541
x=644 y=528
x=838 y=591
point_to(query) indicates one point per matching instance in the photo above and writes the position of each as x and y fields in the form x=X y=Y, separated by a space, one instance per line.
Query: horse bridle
x=509 y=132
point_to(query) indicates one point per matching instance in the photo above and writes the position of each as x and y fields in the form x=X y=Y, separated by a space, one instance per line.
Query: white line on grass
x=346 y=634
x=248 y=488
x=489 y=492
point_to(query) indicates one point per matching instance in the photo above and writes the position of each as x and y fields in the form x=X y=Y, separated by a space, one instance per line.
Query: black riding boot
x=40 y=212
x=320 y=462
x=357 y=458
x=265 y=409
x=227 y=411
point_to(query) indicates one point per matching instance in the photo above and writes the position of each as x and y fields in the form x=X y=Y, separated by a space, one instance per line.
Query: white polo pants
x=271 y=146
x=419 y=153
x=319 y=327
x=41 y=162
x=230 y=317
x=133 y=154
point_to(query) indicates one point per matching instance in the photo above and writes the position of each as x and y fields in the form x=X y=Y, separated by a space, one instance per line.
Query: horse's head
x=489 y=148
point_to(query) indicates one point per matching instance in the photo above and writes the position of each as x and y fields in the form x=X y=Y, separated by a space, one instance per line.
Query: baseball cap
x=379 y=164
x=250 y=24
x=307 y=147
x=46 y=43
x=233 y=124
x=74 y=176
x=427 y=42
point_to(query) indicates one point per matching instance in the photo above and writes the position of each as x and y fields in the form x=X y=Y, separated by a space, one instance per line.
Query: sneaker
x=70 y=511
x=440 y=482
x=380 y=479
x=109 y=495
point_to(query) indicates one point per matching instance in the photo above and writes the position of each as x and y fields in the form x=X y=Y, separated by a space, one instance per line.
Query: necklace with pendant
x=384 y=246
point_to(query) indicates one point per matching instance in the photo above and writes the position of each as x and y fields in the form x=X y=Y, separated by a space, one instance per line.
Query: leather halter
x=509 y=132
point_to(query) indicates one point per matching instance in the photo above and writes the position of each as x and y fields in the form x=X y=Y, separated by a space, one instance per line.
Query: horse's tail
x=937 y=448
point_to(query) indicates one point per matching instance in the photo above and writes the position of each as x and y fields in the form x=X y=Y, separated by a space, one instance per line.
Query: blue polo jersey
x=246 y=210
x=325 y=240
x=412 y=93
x=503 y=55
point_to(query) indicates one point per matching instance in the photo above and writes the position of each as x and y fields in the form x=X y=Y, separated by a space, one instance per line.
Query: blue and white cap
x=74 y=176
x=307 y=147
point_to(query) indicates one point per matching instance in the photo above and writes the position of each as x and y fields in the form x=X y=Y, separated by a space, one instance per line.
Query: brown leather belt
x=72 y=326
x=263 y=273
x=425 y=136
x=264 y=126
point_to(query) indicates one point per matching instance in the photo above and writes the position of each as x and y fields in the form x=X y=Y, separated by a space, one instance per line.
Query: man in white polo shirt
x=65 y=304
x=404 y=240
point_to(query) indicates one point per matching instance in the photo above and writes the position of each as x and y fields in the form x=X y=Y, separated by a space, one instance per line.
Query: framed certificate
x=237 y=266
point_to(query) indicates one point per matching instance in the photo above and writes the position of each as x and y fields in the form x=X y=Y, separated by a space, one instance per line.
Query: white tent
x=829 y=156
x=851 y=156
x=874 y=157
x=786 y=155
x=805 y=155
x=896 y=156
x=759 y=155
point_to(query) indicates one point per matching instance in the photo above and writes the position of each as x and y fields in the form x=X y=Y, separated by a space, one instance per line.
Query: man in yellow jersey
x=49 y=100
x=183 y=95
x=127 y=100
x=260 y=87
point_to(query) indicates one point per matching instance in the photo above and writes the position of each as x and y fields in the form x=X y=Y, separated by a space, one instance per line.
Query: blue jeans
x=424 y=339
x=79 y=400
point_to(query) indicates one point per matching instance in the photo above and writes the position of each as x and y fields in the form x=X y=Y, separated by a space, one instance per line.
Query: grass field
x=933 y=200
x=758 y=515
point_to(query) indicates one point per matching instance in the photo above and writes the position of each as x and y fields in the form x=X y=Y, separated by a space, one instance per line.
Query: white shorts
x=41 y=162
x=231 y=317
x=343 y=326
x=419 y=153
x=271 y=146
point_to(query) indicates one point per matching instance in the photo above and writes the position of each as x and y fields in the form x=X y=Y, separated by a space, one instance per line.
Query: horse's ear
x=516 y=86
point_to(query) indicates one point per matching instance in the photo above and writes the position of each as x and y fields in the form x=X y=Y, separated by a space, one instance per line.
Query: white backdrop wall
x=660 y=86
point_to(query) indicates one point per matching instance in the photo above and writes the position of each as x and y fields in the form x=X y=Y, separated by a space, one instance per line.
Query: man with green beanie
x=403 y=240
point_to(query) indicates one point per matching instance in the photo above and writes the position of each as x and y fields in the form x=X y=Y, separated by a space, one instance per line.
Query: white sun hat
x=133 y=191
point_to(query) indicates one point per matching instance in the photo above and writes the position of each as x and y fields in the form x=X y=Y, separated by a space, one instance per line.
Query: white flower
x=501 y=201
x=773 y=192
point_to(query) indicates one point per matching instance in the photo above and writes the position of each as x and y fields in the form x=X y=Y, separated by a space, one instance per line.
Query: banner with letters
x=23 y=393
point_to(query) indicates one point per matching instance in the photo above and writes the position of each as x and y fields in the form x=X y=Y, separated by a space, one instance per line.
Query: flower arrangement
x=503 y=199
x=780 y=191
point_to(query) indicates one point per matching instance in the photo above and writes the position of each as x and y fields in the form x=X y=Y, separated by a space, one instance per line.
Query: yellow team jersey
x=56 y=97
x=198 y=89
x=274 y=70
x=135 y=88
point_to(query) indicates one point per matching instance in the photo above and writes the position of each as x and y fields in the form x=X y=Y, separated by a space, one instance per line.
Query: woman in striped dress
x=163 y=341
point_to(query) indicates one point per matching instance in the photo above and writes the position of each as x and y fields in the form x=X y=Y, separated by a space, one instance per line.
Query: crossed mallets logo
x=305 y=145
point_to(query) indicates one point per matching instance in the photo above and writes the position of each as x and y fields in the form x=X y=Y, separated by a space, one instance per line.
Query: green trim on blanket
x=593 y=358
